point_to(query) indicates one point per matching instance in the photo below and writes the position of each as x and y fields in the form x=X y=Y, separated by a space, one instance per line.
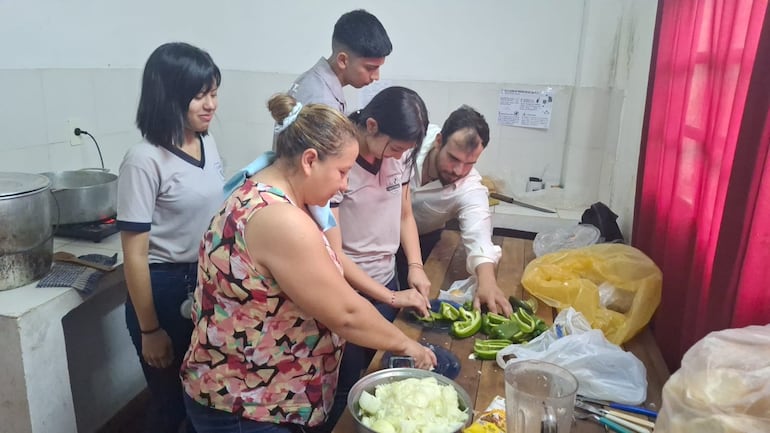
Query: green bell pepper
x=486 y=326
x=509 y=330
x=448 y=311
x=487 y=349
x=530 y=305
x=496 y=319
x=432 y=317
x=525 y=321
x=469 y=325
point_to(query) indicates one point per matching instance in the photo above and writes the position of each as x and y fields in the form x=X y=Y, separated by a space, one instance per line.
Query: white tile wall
x=22 y=114
x=116 y=95
x=113 y=145
x=64 y=156
x=243 y=95
x=589 y=118
x=240 y=142
x=583 y=174
x=69 y=94
x=29 y=159
x=104 y=101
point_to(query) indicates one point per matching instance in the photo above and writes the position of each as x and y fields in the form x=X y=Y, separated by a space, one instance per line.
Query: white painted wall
x=81 y=60
x=434 y=40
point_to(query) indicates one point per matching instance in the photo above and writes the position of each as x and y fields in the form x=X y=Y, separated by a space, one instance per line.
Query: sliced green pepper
x=448 y=311
x=525 y=321
x=487 y=349
x=469 y=326
x=496 y=319
x=432 y=317
x=486 y=326
x=507 y=331
x=490 y=321
x=530 y=305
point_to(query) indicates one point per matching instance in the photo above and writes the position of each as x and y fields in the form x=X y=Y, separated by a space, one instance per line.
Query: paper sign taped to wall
x=525 y=108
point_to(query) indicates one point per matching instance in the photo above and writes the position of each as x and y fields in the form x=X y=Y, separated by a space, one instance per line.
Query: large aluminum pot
x=26 y=232
x=84 y=196
x=388 y=375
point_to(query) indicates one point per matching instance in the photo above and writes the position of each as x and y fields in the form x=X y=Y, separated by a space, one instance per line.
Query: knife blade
x=512 y=200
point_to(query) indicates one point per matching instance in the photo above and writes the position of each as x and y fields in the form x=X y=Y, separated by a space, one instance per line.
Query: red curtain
x=701 y=194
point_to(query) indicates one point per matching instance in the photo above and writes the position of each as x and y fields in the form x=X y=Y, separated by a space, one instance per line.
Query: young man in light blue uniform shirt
x=359 y=47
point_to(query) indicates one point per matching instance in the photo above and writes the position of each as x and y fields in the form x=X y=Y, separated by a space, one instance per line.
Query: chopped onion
x=412 y=406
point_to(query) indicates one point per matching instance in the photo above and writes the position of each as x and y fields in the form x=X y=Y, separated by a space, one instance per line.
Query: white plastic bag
x=722 y=386
x=461 y=291
x=567 y=322
x=604 y=371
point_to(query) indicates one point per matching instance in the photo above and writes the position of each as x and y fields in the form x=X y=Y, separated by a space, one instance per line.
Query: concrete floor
x=130 y=419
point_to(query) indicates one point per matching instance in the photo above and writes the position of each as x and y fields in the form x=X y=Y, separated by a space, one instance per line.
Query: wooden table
x=483 y=380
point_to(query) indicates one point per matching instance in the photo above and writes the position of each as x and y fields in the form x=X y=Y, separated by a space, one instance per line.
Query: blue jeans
x=208 y=420
x=355 y=360
x=171 y=282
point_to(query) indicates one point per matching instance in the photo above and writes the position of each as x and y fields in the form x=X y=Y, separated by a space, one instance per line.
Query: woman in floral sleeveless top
x=272 y=309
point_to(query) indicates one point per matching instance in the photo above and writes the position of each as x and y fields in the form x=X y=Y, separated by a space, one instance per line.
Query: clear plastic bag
x=460 y=291
x=565 y=238
x=723 y=385
x=604 y=371
x=571 y=278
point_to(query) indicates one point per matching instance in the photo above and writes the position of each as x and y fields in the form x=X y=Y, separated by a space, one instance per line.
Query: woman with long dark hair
x=375 y=214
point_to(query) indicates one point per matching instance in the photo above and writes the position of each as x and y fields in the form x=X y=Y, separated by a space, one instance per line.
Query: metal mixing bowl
x=369 y=383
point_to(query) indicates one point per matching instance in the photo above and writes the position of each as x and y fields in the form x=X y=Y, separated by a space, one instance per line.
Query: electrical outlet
x=75 y=140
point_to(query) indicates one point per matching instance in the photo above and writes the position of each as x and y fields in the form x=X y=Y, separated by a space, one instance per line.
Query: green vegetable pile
x=522 y=325
x=519 y=327
x=465 y=321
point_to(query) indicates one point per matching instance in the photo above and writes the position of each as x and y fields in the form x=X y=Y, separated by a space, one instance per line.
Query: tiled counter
x=68 y=361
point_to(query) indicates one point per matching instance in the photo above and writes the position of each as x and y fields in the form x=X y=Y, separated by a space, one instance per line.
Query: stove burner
x=94 y=231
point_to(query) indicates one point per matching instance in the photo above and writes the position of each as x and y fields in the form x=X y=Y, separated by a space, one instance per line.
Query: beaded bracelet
x=392 y=299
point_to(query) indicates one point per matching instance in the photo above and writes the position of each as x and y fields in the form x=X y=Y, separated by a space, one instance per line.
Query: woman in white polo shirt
x=169 y=187
x=375 y=213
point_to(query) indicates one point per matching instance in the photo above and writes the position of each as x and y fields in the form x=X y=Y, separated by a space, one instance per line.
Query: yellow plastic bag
x=626 y=280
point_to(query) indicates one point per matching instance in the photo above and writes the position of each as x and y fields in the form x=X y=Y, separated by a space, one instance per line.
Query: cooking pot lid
x=12 y=184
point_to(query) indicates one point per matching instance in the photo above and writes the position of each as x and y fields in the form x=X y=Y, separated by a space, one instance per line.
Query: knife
x=512 y=200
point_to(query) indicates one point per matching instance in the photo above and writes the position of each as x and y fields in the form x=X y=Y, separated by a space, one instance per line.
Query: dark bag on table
x=600 y=216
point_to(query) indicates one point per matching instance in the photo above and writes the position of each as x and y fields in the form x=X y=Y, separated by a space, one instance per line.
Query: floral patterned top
x=254 y=352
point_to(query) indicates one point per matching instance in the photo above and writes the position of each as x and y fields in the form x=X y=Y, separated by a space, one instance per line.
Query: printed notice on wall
x=525 y=108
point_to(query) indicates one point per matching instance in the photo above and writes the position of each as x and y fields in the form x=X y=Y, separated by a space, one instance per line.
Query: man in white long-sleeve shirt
x=445 y=185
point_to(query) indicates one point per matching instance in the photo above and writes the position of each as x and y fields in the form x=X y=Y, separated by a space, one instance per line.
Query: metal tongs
x=616 y=421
